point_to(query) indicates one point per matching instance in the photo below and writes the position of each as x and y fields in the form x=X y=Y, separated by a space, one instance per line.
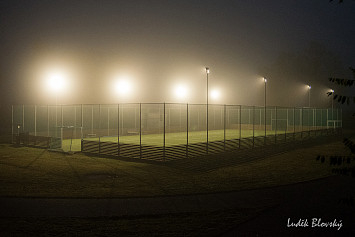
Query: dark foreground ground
x=261 y=212
x=323 y=207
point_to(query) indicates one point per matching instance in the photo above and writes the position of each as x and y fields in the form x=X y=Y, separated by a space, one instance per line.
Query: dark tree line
x=345 y=83
x=340 y=1
x=341 y=98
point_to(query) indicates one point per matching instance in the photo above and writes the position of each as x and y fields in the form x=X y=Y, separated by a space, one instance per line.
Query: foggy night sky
x=160 y=44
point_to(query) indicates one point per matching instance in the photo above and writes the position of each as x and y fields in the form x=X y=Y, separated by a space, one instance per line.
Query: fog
x=159 y=45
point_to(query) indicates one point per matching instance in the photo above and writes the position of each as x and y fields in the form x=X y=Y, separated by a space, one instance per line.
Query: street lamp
x=207 y=72
x=265 y=80
x=309 y=95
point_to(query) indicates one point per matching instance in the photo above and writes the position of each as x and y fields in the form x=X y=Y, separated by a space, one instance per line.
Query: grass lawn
x=32 y=172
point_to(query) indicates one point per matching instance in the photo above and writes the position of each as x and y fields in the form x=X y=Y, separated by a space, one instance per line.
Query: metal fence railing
x=166 y=131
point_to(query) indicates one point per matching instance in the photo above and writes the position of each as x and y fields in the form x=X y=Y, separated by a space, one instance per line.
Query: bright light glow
x=181 y=91
x=56 y=80
x=207 y=70
x=265 y=79
x=309 y=87
x=215 y=94
x=123 y=87
x=332 y=90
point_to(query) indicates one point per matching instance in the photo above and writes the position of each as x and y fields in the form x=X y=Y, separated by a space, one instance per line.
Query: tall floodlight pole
x=309 y=96
x=265 y=104
x=207 y=72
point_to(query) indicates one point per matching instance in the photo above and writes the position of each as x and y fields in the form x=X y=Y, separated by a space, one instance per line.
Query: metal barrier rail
x=160 y=153
x=30 y=140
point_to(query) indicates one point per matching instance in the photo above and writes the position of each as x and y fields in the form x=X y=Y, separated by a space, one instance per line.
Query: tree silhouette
x=340 y=1
x=345 y=83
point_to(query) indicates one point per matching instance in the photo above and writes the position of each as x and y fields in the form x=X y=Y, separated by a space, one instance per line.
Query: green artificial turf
x=171 y=139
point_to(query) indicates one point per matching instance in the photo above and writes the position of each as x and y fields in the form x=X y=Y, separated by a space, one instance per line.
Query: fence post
x=265 y=124
x=118 y=129
x=286 y=129
x=187 y=130
x=259 y=118
x=309 y=127
x=207 y=128
x=249 y=116
x=164 y=136
x=74 y=122
x=253 y=124
x=61 y=137
x=12 y=124
x=294 y=123
x=224 y=127
x=92 y=119
x=315 y=119
x=301 y=123
x=23 y=118
x=275 y=124
x=61 y=111
x=47 y=120
x=35 y=121
x=140 y=130
x=82 y=117
x=240 y=124
x=108 y=120
x=99 y=132
x=321 y=119
x=286 y=119
x=81 y=126
x=56 y=118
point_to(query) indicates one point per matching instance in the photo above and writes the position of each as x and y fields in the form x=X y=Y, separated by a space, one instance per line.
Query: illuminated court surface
x=171 y=139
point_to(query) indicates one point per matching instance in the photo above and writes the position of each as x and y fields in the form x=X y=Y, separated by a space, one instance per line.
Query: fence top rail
x=170 y=103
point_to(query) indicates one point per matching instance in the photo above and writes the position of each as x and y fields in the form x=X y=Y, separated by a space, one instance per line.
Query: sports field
x=171 y=139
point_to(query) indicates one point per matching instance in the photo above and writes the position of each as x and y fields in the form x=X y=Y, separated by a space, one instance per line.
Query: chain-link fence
x=165 y=130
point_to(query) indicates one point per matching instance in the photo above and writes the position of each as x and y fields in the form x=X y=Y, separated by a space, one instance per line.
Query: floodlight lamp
x=123 y=87
x=309 y=87
x=180 y=91
x=207 y=70
x=56 y=80
x=332 y=90
x=265 y=80
x=215 y=94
